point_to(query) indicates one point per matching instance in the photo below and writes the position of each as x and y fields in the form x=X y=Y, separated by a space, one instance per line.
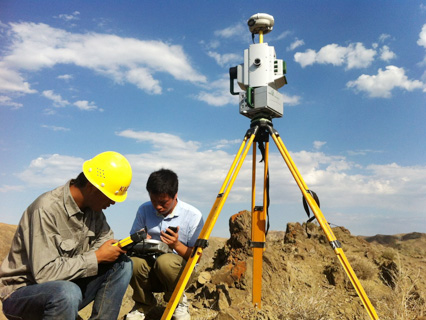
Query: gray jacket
x=54 y=240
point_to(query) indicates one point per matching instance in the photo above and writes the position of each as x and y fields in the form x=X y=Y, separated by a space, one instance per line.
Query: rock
x=204 y=277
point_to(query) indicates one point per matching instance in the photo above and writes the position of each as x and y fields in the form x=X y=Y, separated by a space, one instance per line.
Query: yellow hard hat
x=111 y=173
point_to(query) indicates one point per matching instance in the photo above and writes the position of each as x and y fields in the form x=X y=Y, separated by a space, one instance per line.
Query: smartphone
x=174 y=229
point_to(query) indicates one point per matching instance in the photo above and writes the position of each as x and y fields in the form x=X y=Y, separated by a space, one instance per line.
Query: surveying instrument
x=260 y=77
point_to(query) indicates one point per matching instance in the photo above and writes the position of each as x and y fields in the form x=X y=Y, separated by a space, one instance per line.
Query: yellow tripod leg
x=325 y=227
x=209 y=224
x=258 y=225
x=258 y=242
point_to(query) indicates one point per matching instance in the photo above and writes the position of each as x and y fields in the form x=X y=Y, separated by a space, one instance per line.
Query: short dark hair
x=163 y=181
x=81 y=181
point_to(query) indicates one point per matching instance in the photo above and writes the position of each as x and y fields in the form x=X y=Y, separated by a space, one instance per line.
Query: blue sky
x=149 y=79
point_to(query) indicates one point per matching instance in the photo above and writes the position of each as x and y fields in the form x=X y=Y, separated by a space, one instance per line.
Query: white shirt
x=188 y=218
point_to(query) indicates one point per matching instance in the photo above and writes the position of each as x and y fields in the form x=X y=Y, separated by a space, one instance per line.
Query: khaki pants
x=155 y=275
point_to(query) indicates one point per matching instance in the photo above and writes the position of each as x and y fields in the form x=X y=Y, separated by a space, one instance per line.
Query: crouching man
x=62 y=255
x=177 y=224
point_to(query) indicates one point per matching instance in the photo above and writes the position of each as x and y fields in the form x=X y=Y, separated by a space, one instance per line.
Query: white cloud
x=318 y=144
x=12 y=81
x=282 y=35
x=159 y=140
x=7 y=101
x=422 y=42
x=291 y=100
x=362 y=152
x=382 y=84
x=225 y=143
x=142 y=78
x=306 y=58
x=85 y=105
x=51 y=170
x=383 y=37
x=386 y=54
x=295 y=44
x=69 y=17
x=227 y=59
x=7 y=188
x=205 y=167
x=232 y=31
x=332 y=54
x=359 y=57
x=343 y=187
x=216 y=99
x=212 y=44
x=55 y=128
x=375 y=186
x=122 y=59
x=422 y=37
x=218 y=94
x=202 y=171
x=353 y=56
x=65 y=77
x=59 y=102
x=56 y=98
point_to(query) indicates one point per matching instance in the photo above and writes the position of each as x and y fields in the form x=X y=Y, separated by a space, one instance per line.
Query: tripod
x=260 y=76
x=259 y=132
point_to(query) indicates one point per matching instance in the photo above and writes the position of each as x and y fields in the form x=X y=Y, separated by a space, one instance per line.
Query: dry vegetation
x=302 y=277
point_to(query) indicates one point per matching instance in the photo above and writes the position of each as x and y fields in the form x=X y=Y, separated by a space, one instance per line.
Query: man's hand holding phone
x=170 y=236
x=173 y=229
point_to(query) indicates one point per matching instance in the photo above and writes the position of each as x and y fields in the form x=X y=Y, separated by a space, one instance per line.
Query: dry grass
x=405 y=299
x=310 y=305
x=389 y=254
x=364 y=269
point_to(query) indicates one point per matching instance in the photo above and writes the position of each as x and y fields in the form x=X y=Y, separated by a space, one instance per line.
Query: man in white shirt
x=177 y=224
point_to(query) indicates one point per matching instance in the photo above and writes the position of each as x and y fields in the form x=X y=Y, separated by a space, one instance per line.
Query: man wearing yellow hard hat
x=62 y=255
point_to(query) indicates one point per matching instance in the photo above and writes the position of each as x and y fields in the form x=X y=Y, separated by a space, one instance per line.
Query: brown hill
x=302 y=278
x=6 y=234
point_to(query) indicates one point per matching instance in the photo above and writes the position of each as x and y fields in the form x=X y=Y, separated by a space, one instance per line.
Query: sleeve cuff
x=92 y=263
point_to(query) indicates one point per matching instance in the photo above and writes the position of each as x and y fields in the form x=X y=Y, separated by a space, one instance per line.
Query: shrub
x=364 y=269
x=389 y=254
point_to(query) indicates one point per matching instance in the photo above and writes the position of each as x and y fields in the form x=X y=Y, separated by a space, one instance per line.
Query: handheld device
x=174 y=229
x=129 y=242
x=149 y=247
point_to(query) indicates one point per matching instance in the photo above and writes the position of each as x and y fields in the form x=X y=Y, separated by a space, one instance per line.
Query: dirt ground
x=302 y=277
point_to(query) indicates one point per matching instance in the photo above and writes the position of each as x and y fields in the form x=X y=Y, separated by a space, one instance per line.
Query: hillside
x=6 y=234
x=302 y=278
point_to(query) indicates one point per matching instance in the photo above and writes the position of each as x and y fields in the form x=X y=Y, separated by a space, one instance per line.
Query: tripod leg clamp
x=200 y=243
x=335 y=244
x=256 y=244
